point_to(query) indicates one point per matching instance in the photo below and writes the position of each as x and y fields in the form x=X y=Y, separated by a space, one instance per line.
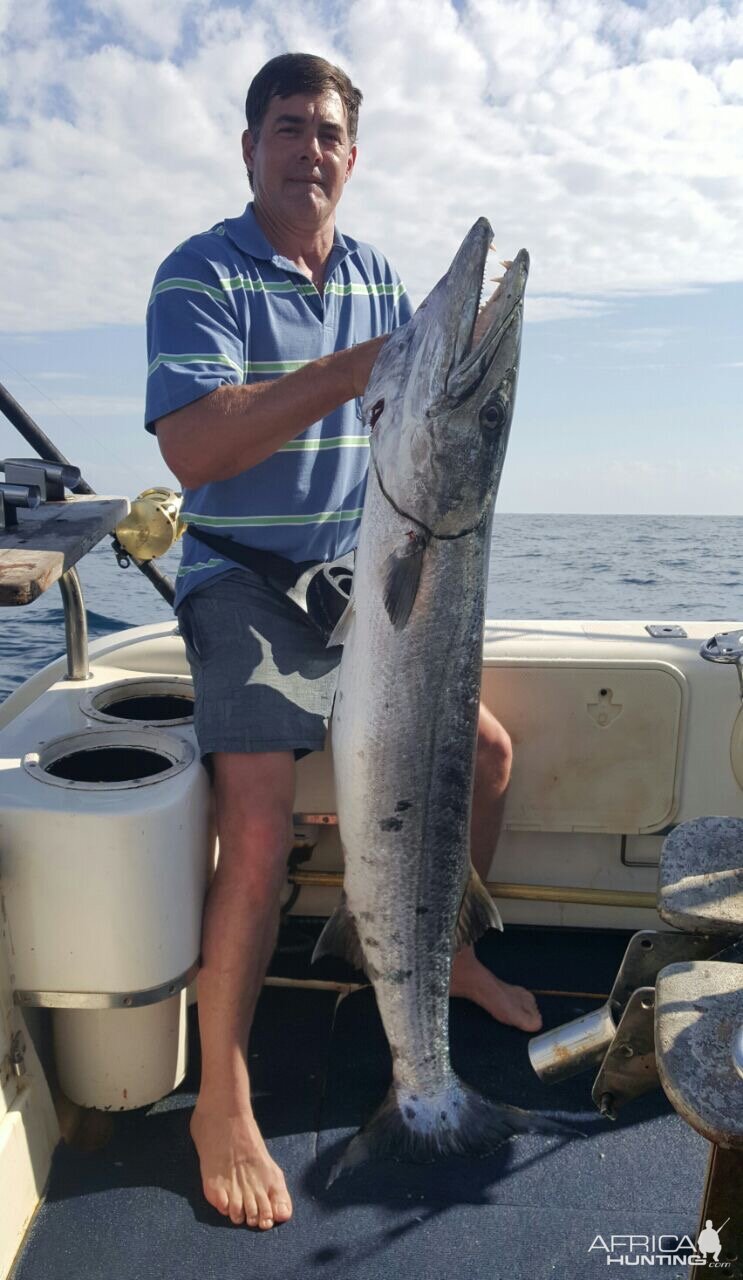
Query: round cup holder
x=109 y=760
x=159 y=702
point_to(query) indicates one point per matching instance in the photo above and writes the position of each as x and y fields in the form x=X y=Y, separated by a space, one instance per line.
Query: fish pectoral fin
x=477 y=914
x=340 y=937
x=339 y=634
x=402 y=574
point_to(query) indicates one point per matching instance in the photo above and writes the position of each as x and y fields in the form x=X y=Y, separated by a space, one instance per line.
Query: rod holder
x=726 y=647
x=13 y=496
x=51 y=477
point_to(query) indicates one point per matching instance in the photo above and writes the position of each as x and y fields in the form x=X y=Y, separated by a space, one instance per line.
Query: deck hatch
x=597 y=747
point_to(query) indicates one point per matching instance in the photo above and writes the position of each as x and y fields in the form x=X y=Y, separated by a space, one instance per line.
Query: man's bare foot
x=513 y=1005
x=238 y=1175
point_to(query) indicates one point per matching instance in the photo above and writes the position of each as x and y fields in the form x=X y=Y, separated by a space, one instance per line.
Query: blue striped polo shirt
x=227 y=309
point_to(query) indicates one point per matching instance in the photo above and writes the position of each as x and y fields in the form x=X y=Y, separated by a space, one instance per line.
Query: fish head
x=441 y=394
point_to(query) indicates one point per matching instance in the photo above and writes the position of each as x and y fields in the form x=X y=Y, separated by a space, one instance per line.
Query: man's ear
x=351 y=162
x=248 y=146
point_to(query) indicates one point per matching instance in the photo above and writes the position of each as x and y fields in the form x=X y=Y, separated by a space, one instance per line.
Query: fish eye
x=493 y=414
x=376 y=413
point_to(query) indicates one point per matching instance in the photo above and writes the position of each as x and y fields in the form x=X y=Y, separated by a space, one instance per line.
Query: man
x=262 y=335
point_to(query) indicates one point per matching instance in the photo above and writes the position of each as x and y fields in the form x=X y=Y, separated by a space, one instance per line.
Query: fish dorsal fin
x=402 y=574
x=340 y=937
x=477 y=914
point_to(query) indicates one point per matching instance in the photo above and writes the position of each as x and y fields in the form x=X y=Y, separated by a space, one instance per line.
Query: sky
x=605 y=137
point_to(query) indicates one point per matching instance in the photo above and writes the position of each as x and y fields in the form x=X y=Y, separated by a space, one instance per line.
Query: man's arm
x=235 y=427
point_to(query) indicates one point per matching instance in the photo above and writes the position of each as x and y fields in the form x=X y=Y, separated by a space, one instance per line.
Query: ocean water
x=651 y=568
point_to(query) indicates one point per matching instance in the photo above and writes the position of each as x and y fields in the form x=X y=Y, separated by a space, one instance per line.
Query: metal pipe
x=75 y=626
x=524 y=892
x=315 y=984
x=573 y=1047
x=38 y=440
x=344 y=988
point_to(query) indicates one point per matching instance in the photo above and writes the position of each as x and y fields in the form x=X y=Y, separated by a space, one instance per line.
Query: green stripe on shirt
x=247 y=522
x=191 y=286
x=210 y=357
x=330 y=442
x=375 y=289
x=214 y=357
x=231 y=284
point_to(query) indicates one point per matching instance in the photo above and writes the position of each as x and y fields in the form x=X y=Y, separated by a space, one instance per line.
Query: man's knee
x=494 y=749
x=254 y=803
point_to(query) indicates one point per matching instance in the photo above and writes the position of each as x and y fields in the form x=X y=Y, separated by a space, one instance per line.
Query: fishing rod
x=38 y=440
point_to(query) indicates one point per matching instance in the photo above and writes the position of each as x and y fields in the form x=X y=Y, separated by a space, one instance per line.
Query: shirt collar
x=246 y=233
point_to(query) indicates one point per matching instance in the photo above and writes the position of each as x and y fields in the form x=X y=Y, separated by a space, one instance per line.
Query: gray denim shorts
x=263 y=677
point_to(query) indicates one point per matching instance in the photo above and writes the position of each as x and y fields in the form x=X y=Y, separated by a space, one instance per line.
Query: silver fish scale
x=404 y=728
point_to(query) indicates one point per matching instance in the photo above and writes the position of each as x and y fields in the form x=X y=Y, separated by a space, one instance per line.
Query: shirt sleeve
x=403 y=307
x=195 y=340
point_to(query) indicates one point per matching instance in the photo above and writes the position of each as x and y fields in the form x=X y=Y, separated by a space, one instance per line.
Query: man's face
x=302 y=158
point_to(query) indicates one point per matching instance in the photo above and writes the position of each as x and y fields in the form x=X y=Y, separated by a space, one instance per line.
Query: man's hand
x=365 y=355
x=234 y=428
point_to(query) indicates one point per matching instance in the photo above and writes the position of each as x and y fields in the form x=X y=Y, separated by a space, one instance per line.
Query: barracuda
x=439 y=406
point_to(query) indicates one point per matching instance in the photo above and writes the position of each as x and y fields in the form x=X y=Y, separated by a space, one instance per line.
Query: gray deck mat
x=532 y=1210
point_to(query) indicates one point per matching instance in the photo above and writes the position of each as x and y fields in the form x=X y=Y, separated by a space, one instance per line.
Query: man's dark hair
x=300 y=73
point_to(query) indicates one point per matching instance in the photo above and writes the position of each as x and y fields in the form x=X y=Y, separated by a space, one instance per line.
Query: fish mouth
x=480 y=330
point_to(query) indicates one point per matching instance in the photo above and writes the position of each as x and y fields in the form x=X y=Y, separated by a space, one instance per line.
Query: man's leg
x=254 y=796
x=470 y=979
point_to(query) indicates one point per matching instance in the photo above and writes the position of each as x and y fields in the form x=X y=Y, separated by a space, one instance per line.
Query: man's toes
x=237 y=1212
x=217 y=1197
x=251 y=1207
x=532 y=1017
x=265 y=1211
x=282 y=1206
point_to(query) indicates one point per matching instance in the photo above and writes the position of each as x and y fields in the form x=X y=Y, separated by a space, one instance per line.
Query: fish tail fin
x=340 y=937
x=458 y=1121
x=477 y=913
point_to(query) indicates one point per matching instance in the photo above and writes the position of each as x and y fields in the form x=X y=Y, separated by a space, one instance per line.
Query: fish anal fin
x=339 y=634
x=402 y=575
x=477 y=914
x=340 y=937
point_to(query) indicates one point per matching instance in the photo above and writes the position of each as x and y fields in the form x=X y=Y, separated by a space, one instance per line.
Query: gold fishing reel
x=153 y=525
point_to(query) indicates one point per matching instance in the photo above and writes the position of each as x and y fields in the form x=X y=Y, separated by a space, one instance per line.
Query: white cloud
x=603 y=136
x=716 y=31
x=605 y=484
x=729 y=79
x=83 y=406
x=151 y=28
x=640 y=338
x=565 y=308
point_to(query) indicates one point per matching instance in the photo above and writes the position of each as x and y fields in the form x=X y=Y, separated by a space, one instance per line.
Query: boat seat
x=700 y=880
x=699 y=1058
x=698 y=1015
